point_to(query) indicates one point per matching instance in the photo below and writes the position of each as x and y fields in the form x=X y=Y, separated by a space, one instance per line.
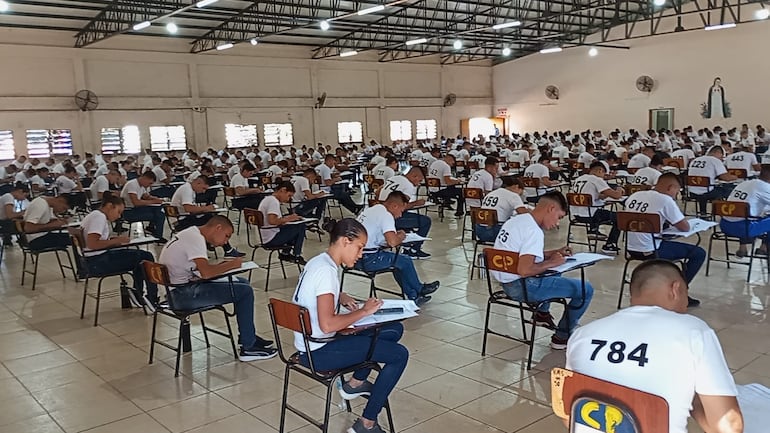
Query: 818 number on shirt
x=616 y=352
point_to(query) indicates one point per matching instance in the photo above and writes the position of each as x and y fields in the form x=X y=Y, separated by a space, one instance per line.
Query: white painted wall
x=146 y=81
x=600 y=92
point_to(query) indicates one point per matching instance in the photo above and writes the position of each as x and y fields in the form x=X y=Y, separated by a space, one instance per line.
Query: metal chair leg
x=85 y=295
x=152 y=338
x=486 y=329
x=205 y=334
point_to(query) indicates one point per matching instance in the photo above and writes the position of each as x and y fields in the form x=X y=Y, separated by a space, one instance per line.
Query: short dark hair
x=490 y=161
x=288 y=186
x=597 y=164
x=347 y=228
x=109 y=197
x=555 y=197
x=650 y=269
x=656 y=160
x=220 y=220
x=391 y=160
x=397 y=195
x=509 y=181
x=247 y=166
x=669 y=176
x=150 y=175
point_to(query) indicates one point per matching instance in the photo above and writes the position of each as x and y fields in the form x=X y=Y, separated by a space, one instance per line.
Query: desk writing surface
x=697 y=225
x=410 y=310
x=578 y=260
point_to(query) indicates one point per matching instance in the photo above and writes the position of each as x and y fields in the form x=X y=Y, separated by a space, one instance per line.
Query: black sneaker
x=558 y=343
x=692 y=302
x=285 y=257
x=349 y=393
x=408 y=252
x=234 y=253
x=299 y=260
x=544 y=319
x=429 y=288
x=610 y=249
x=421 y=300
x=261 y=342
x=358 y=427
x=256 y=354
x=420 y=255
x=596 y=236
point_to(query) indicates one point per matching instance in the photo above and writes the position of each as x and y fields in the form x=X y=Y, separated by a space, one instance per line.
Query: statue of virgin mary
x=716 y=106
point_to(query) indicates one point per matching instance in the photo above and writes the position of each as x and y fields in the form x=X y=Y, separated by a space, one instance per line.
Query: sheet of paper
x=414 y=237
x=410 y=310
x=580 y=259
x=142 y=239
x=302 y=221
x=696 y=225
x=754 y=401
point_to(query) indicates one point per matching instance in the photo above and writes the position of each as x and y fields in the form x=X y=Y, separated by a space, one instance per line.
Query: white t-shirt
x=646 y=176
x=101 y=184
x=318 y=278
x=325 y=172
x=269 y=206
x=708 y=166
x=426 y=160
x=160 y=174
x=275 y=171
x=538 y=171
x=522 y=235
x=398 y=183
x=182 y=196
x=132 y=187
x=592 y=185
x=741 y=160
x=438 y=170
x=686 y=155
x=5 y=200
x=65 y=185
x=383 y=172
x=661 y=352
x=483 y=180
x=586 y=158
x=639 y=160
x=180 y=252
x=95 y=222
x=239 y=181
x=377 y=160
x=38 y=212
x=504 y=201
x=561 y=152
x=756 y=193
x=37 y=180
x=301 y=184
x=377 y=221
x=103 y=169
x=655 y=203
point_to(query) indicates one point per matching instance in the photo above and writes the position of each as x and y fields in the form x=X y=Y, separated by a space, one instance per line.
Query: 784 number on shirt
x=616 y=352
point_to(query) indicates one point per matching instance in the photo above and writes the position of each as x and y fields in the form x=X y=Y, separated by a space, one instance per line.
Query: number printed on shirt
x=490 y=201
x=640 y=179
x=503 y=235
x=698 y=164
x=737 y=157
x=637 y=205
x=476 y=177
x=579 y=185
x=616 y=352
x=434 y=173
x=740 y=195
x=392 y=186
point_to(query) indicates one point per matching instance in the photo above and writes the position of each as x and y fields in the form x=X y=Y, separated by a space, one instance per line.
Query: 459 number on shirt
x=616 y=352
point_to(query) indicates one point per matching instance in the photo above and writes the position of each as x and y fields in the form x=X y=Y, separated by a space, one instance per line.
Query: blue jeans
x=539 y=289
x=125 y=260
x=720 y=192
x=313 y=208
x=352 y=349
x=603 y=217
x=165 y=191
x=747 y=232
x=153 y=214
x=250 y=201
x=405 y=274
x=693 y=256
x=341 y=194
x=487 y=233
x=203 y=294
x=292 y=236
x=414 y=221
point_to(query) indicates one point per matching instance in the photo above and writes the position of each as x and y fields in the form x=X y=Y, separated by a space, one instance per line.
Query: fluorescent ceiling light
x=4 y=6
x=593 y=52
x=457 y=44
x=658 y=2
x=142 y=25
x=324 y=25
x=506 y=51
x=371 y=10
x=506 y=25
x=762 y=14
x=225 y=46
x=204 y=3
x=254 y=41
x=416 y=41
x=550 y=50
x=720 y=26
x=171 y=28
x=348 y=53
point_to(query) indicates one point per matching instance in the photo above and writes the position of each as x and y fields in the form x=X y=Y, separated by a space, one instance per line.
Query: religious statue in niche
x=716 y=106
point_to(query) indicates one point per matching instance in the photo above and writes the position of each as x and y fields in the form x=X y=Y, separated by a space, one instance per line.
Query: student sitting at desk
x=186 y=258
x=656 y=347
x=506 y=201
x=40 y=218
x=319 y=292
x=710 y=166
x=197 y=215
x=660 y=200
x=245 y=195
x=379 y=221
x=102 y=184
x=69 y=181
x=483 y=180
x=407 y=184
x=523 y=234
x=309 y=204
x=110 y=257
x=141 y=206
x=12 y=206
x=593 y=184
x=330 y=182
x=276 y=230
x=755 y=192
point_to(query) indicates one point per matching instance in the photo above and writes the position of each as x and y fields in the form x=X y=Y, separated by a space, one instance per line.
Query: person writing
x=319 y=292
x=656 y=347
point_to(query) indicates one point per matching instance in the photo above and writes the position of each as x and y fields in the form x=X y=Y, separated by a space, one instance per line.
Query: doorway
x=662 y=118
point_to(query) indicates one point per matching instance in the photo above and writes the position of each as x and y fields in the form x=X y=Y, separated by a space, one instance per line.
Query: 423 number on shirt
x=618 y=352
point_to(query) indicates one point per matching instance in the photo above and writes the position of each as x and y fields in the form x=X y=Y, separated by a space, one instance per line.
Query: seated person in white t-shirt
x=40 y=218
x=12 y=206
x=523 y=234
x=102 y=184
x=276 y=230
x=308 y=204
x=587 y=158
x=710 y=166
x=245 y=196
x=380 y=224
x=506 y=201
x=319 y=292
x=441 y=169
x=39 y=180
x=387 y=170
x=744 y=160
x=661 y=200
x=186 y=257
x=656 y=347
x=330 y=182
x=142 y=206
x=593 y=184
x=755 y=192
x=483 y=179
x=641 y=159
x=96 y=231
x=649 y=175
x=69 y=181
x=539 y=170
x=412 y=221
